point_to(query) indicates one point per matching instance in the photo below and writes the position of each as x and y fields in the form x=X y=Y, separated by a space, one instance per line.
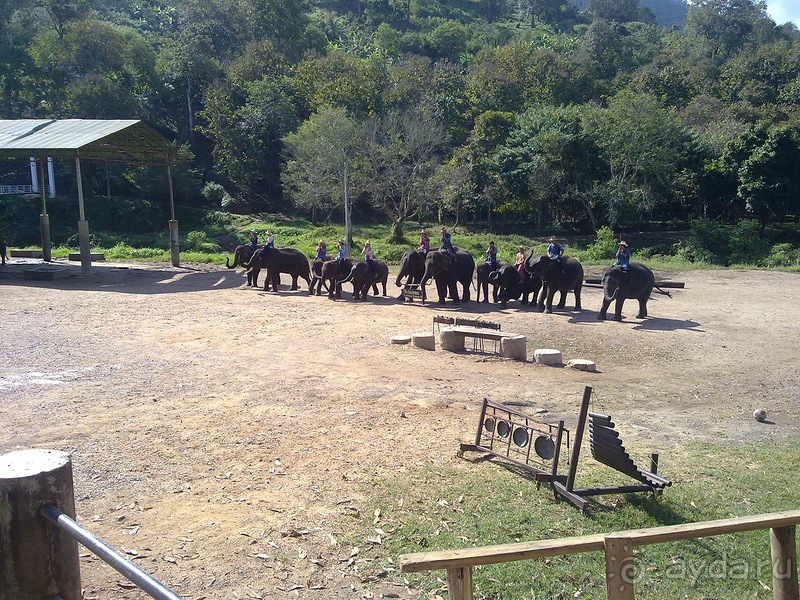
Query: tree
x=402 y=151
x=642 y=146
x=621 y=11
x=323 y=162
x=725 y=25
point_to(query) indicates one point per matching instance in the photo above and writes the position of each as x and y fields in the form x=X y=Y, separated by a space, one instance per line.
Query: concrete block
x=26 y=253
x=93 y=256
x=515 y=347
x=401 y=339
x=546 y=356
x=582 y=364
x=450 y=340
x=424 y=339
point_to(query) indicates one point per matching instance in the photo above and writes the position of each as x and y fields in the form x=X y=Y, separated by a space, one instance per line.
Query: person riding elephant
x=280 y=260
x=412 y=268
x=635 y=284
x=363 y=277
x=557 y=276
x=331 y=272
x=242 y=254
x=511 y=285
x=483 y=272
x=448 y=272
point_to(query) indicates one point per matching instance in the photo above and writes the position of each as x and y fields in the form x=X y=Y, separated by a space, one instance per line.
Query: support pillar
x=784 y=563
x=174 y=244
x=37 y=560
x=83 y=226
x=44 y=220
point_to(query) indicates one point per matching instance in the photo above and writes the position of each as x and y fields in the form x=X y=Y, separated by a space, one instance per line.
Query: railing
x=137 y=576
x=16 y=189
x=618 y=548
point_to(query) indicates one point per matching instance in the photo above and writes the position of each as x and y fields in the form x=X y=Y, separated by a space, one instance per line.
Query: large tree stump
x=37 y=560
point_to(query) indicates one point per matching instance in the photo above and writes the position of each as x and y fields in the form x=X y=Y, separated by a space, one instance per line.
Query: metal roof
x=129 y=141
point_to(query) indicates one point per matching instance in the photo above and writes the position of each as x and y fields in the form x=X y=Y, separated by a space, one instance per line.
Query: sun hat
x=553 y=238
x=623 y=243
x=367 y=243
x=444 y=228
x=341 y=242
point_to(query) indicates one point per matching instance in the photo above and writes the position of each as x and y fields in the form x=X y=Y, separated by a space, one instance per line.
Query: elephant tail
x=660 y=291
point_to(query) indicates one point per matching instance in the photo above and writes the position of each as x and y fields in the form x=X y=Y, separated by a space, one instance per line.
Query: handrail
x=618 y=556
x=142 y=579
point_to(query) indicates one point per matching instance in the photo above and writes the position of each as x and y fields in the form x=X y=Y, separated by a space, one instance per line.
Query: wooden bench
x=512 y=345
x=440 y=320
x=479 y=324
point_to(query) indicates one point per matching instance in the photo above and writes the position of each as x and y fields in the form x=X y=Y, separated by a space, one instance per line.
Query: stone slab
x=401 y=339
x=548 y=356
x=424 y=339
x=582 y=364
x=515 y=347
x=26 y=253
x=46 y=273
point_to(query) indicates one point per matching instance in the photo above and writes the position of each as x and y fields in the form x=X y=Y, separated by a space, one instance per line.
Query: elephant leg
x=374 y=289
x=642 y=308
x=454 y=292
x=550 y=297
x=563 y=302
x=618 y=307
x=466 y=296
x=441 y=290
x=604 y=309
x=577 y=293
x=294 y=283
x=485 y=287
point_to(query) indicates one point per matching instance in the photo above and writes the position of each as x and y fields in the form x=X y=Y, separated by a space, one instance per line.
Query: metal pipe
x=142 y=579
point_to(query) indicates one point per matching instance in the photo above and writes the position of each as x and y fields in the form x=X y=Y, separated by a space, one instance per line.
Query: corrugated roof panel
x=129 y=141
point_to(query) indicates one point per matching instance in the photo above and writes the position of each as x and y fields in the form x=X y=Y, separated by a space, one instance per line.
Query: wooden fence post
x=37 y=560
x=459 y=583
x=620 y=569
x=784 y=563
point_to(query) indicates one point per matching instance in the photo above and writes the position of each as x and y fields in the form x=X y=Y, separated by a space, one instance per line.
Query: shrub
x=604 y=247
x=782 y=255
x=745 y=245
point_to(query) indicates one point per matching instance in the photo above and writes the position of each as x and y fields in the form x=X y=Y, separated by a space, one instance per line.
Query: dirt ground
x=222 y=436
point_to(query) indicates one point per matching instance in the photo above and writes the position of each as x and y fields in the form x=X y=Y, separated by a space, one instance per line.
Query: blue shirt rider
x=341 y=255
x=555 y=250
x=623 y=257
x=322 y=251
x=446 y=244
x=491 y=255
x=253 y=239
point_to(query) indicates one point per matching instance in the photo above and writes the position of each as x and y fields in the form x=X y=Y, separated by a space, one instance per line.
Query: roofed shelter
x=126 y=141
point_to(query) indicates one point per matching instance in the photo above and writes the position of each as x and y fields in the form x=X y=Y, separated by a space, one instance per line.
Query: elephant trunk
x=235 y=262
x=612 y=296
x=400 y=275
x=347 y=279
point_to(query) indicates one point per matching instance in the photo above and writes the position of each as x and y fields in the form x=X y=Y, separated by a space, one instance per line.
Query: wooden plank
x=620 y=569
x=784 y=563
x=488 y=555
x=662 y=284
x=485 y=555
x=459 y=583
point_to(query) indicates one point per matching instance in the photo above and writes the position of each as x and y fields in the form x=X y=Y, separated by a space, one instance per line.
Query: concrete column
x=174 y=243
x=37 y=560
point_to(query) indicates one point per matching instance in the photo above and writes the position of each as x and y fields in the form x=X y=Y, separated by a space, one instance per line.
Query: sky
x=782 y=11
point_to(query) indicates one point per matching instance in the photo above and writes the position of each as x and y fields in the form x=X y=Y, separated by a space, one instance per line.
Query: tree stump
x=37 y=560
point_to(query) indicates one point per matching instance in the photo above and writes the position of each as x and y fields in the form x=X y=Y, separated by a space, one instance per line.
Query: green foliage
x=198 y=241
x=604 y=247
x=478 y=503
x=782 y=255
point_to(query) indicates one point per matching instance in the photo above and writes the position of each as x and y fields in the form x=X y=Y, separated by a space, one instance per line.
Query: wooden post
x=44 y=220
x=37 y=560
x=459 y=583
x=620 y=570
x=174 y=240
x=576 y=441
x=784 y=563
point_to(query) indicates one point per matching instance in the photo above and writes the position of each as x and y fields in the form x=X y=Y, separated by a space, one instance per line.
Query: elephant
x=447 y=273
x=362 y=278
x=482 y=272
x=412 y=266
x=241 y=254
x=618 y=286
x=317 y=283
x=510 y=285
x=556 y=278
x=3 y=249
x=277 y=261
x=330 y=274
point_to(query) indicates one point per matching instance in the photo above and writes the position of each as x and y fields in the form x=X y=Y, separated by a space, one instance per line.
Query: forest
x=494 y=114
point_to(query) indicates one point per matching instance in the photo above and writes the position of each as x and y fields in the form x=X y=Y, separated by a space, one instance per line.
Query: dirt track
x=220 y=433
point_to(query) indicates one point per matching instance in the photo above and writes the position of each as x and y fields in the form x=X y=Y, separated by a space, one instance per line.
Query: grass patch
x=476 y=503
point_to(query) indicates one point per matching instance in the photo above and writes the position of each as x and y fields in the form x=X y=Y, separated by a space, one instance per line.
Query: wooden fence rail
x=618 y=548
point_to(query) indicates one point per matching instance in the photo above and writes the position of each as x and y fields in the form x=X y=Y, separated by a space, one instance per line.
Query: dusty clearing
x=221 y=434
